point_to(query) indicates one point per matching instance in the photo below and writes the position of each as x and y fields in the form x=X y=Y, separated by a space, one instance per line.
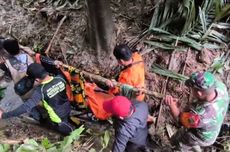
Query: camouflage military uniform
x=210 y=118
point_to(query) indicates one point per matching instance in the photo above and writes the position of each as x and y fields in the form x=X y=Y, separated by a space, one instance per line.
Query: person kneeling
x=48 y=104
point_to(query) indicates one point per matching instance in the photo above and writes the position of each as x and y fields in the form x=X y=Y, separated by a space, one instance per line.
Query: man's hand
x=1 y=112
x=170 y=101
x=58 y=64
x=140 y=90
x=109 y=83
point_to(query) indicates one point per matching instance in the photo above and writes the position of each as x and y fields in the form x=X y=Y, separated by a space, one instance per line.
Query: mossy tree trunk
x=100 y=27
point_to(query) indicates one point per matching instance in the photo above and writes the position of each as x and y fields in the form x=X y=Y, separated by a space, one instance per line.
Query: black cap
x=11 y=46
x=123 y=52
x=36 y=70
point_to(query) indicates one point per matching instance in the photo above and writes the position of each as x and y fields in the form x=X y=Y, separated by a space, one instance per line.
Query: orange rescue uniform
x=133 y=75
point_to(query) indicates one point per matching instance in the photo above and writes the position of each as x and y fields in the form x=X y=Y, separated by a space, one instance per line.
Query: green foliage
x=37 y=47
x=46 y=143
x=2 y=92
x=105 y=140
x=75 y=135
x=92 y=150
x=189 y=24
x=220 y=63
x=168 y=73
x=4 y=147
x=31 y=145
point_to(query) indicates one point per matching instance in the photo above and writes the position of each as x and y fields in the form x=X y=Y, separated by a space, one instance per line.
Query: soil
x=33 y=24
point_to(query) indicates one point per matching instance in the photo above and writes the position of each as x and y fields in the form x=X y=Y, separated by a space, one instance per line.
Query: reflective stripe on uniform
x=53 y=116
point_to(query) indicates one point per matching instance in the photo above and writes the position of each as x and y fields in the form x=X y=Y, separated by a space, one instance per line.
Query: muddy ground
x=33 y=23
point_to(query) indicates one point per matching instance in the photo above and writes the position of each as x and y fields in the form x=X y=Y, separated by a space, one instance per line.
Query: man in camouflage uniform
x=203 y=118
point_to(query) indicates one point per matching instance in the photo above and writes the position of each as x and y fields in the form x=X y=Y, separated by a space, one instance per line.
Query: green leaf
x=168 y=73
x=219 y=35
x=217 y=64
x=4 y=147
x=92 y=150
x=2 y=93
x=225 y=11
x=158 y=30
x=211 y=46
x=31 y=142
x=221 y=25
x=191 y=15
x=203 y=19
x=66 y=143
x=197 y=29
x=28 y=148
x=30 y=145
x=164 y=46
x=46 y=143
x=106 y=138
x=52 y=149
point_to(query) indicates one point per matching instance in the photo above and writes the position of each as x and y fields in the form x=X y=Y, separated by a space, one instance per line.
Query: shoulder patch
x=189 y=120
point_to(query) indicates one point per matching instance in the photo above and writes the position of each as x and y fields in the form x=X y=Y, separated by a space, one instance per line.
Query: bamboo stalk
x=103 y=80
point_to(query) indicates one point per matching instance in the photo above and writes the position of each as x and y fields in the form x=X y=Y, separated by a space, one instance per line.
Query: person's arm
x=120 y=143
x=123 y=133
x=51 y=66
x=46 y=60
x=172 y=103
x=25 y=107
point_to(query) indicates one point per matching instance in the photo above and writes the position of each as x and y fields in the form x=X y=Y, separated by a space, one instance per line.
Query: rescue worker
x=133 y=73
x=201 y=121
x=16 y=65
x=48 y=104
x=130 y=124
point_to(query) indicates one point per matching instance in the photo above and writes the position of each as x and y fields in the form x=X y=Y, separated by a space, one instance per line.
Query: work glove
x=127 y=91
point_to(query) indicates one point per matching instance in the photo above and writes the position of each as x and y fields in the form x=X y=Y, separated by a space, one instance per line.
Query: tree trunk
x=100 y=27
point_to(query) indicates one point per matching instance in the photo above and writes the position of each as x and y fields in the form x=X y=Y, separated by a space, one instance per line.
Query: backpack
x=17 y=67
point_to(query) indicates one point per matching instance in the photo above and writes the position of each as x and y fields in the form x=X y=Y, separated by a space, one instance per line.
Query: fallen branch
x=11 y=142
x=55 y=34
x=163 y=92
x=185 y=63
x=63 y=52
x=164 y=88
